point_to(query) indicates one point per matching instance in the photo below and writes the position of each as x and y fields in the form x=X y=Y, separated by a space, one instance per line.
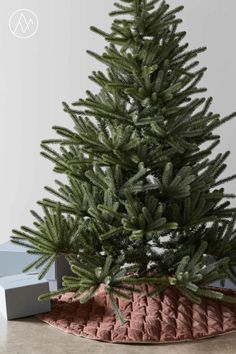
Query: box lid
x=20 y=280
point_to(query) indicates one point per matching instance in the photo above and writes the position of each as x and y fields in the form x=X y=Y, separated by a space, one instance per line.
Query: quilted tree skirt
x=169 y=317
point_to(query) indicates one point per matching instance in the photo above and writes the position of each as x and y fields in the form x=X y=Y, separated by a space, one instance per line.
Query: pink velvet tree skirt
x=170 y=317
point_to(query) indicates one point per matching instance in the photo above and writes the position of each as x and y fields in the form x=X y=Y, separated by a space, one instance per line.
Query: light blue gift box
x=19 y=296
x=228 y=284
x=14 y=258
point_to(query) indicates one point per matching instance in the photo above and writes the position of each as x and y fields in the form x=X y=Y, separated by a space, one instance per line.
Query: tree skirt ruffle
x=169 y=317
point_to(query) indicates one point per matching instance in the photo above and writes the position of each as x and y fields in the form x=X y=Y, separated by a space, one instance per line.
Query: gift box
x=14 y=258
x=228 y=284
x=19 y=296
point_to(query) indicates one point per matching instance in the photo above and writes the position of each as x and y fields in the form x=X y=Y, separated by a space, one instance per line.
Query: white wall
x=38 y=73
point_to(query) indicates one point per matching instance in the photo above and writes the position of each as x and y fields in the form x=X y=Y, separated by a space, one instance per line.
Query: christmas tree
x=143 y=201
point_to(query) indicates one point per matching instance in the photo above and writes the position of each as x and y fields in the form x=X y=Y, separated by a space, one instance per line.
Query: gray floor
x=31 y=336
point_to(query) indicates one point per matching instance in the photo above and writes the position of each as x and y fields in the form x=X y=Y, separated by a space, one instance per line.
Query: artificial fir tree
x=143 y=201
